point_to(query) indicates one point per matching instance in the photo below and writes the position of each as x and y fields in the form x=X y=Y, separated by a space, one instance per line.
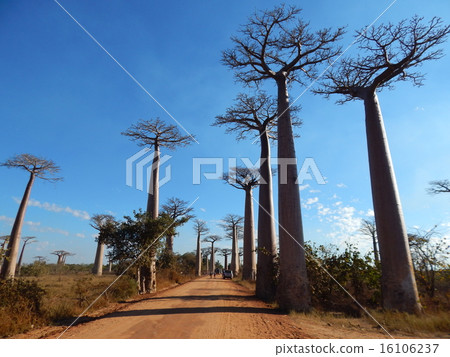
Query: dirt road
x=204 y=308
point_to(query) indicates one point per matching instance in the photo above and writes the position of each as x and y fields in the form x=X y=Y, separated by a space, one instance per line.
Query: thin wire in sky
x=124 y=69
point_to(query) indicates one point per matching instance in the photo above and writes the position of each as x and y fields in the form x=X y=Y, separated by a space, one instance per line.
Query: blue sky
x=63 y=98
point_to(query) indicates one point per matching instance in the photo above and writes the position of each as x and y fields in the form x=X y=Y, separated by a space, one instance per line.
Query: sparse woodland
x=404 y=272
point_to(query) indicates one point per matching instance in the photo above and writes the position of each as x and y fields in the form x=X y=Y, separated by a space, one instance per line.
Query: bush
x=20 y=306
x=355 y=273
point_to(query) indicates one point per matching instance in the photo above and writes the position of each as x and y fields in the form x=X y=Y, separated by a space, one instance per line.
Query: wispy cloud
x=53 y=207
x=341 y=185
x=80 y=235
x=303 y=187
x=202 y=209
x=8 y=220
x=421 y=109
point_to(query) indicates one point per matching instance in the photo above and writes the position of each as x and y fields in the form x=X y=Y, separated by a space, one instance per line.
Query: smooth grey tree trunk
x=267 y=251
x=153 y=210
x=249 y=266
x=109 y=266
x=198 y=260
x=213 y=258
x=98 y=263
x=19 y=264
x=293 y=292
x=207 y=264
x=235 y=253
x=9 y=263
x=375 y=250
x=169 y=243
x=398 y=285
x=226 y=262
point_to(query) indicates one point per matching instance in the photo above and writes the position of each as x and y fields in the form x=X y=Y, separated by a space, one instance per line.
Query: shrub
x=20 y=306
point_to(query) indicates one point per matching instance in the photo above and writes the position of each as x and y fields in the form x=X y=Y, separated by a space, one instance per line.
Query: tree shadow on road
x=194 y=310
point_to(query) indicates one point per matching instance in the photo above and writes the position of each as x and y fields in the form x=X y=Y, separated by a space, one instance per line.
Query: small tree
x=430 y=255
x=61 y=254
x=277 y=45
x=212 y=239
x=199 y=228
x=233 y=229
x=369 y=229
x=390 y=52
x=37 y=168
x=180 y=213
x=26 y=240
x=440 y=186
x=225 y=252
x=97 y=222
x=245 y=179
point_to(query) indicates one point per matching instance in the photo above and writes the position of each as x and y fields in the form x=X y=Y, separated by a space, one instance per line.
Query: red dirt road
x=204 y=308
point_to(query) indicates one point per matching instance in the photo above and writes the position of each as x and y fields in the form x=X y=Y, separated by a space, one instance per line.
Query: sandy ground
x=207 y=308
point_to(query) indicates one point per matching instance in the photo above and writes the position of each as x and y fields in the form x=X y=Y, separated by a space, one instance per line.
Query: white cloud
x=338 y=203
x=303 y=187
x=314 y=191
x=80 y=235
x=370 y=213
x=311 y=201
x=419 y=109
x=202 y=209
x=8 y=220
x=53 y=207
x=341 y=185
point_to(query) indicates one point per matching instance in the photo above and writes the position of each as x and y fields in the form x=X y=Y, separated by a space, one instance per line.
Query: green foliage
x=349 y=269
x=20 y=305
x=36 y=269
x=134 y=238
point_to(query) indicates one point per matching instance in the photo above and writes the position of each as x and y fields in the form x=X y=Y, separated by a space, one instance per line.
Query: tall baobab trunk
x=249 y=266
x=153 y=211
x=293 y=288
x=235 y=253
x=109 y=266
x=198 y=260
x=397 y=281
x=226 y=262
x=9 y=263
x=153 y=195
x=169 y=243
x=19 y=264
x=265 y=280
x=207 y=265
x=98 y=263
x=375 y=251
x=213 y=258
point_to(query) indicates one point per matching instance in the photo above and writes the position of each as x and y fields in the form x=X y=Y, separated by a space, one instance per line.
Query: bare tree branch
x=39 y=167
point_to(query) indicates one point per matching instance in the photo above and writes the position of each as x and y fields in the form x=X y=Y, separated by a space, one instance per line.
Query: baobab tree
x=5 y=240
x=369 y=229
x=98 y=221
x=232 y=224
x=40 y=259
x=26 y=240
x=199 y=228
x=277 y=45
x=212 y=239
x=225 y=252
x=205 y=253
x=61 y=254
x=37 y=168
x=179 y=213
x=439 y=186
x=389 y=54
x=245 y=179
x=155 y=134
x=252 y=116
